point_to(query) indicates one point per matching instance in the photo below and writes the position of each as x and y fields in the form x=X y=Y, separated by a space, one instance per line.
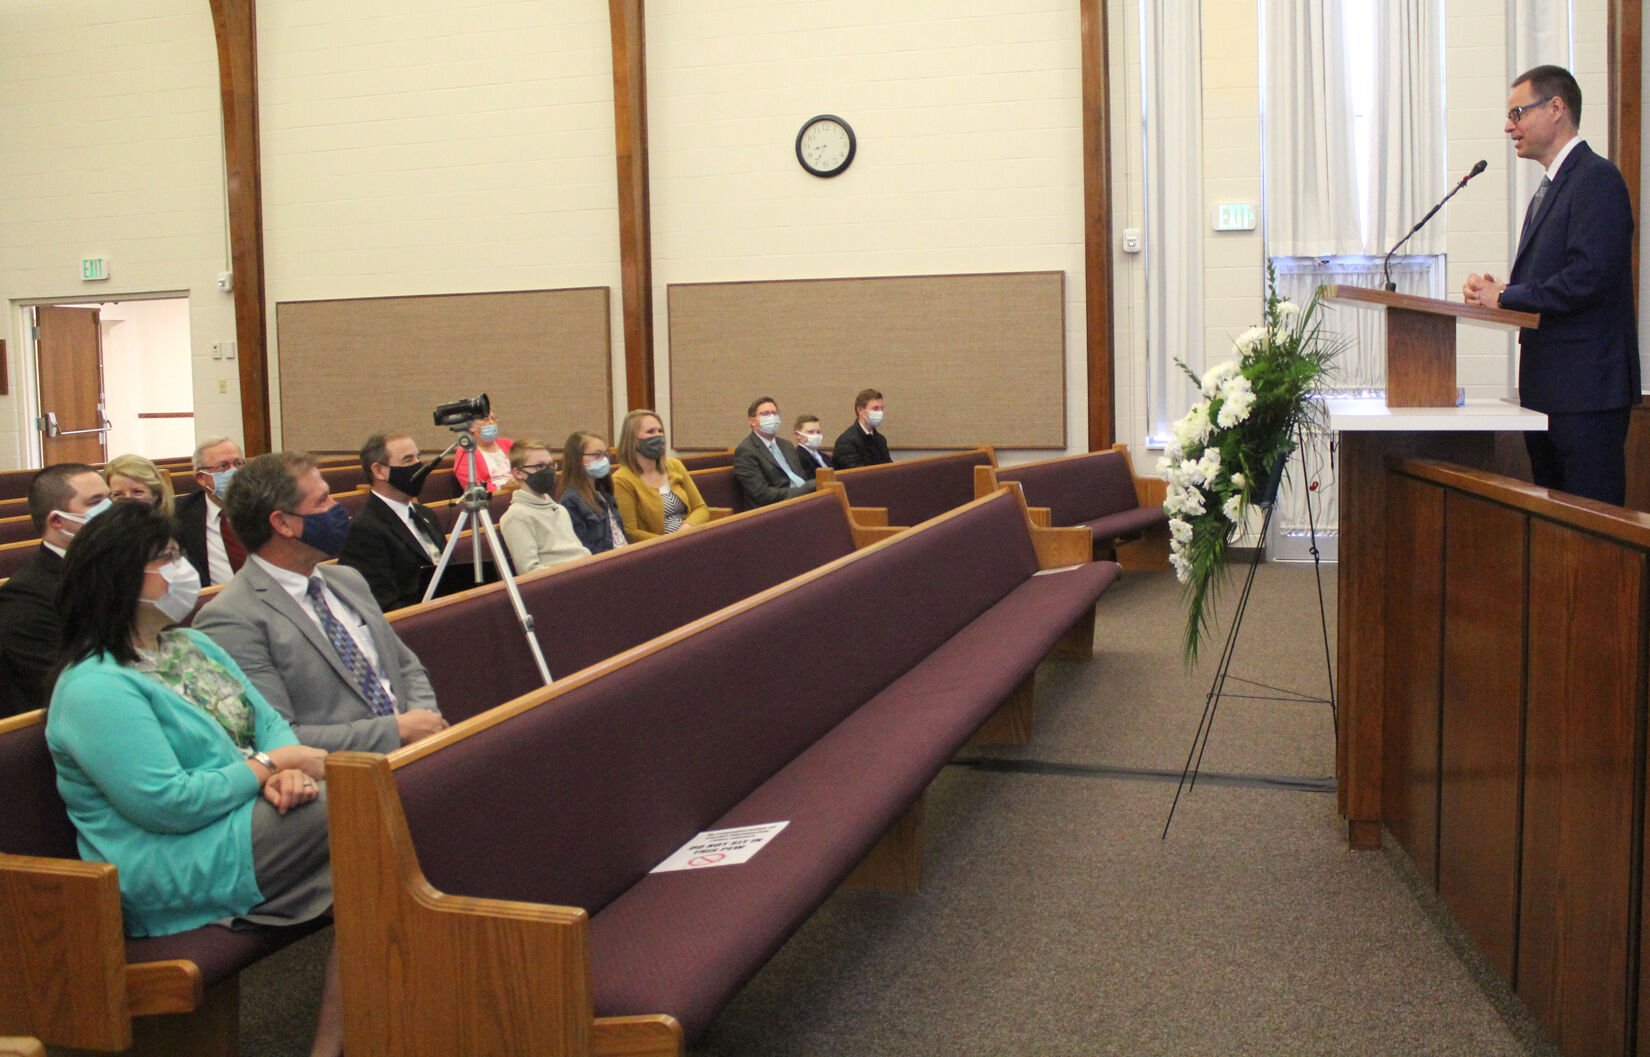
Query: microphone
x=1386 y=265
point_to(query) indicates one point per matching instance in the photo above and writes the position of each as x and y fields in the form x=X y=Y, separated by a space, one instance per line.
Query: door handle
x=79 y=432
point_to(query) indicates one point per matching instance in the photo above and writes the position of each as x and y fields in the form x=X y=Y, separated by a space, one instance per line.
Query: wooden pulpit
x=1420 y=340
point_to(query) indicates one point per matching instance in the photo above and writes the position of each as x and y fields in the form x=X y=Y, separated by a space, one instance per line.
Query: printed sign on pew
x=721 y=847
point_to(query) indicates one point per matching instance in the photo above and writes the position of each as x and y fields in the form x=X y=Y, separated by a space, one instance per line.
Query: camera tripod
x=474 y=504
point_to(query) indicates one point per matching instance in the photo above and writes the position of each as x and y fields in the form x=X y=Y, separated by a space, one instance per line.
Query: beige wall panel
x=962 y=359
x=350 y=367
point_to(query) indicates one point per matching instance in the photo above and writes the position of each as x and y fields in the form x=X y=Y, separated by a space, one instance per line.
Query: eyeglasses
x=534 y=467
x=170 y=554
x=227 y=464
x=1516 y=114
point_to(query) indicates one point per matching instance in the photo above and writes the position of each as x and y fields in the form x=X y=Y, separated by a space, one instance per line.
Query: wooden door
x=69 y=354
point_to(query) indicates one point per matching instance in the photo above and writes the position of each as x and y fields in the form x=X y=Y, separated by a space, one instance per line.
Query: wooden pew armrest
x=985 y=481
x=163 y=987
x=1060 y=547
x=869 y=516
x=63 y=952
x=717 y=513
x=865 y=535
x=1041 y=516
x=470 y=975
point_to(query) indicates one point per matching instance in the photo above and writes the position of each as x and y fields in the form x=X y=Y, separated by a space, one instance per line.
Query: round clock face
x=825 y=146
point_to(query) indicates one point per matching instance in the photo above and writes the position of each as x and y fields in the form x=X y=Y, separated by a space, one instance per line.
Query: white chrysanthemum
x=1250 y=339
x=1237 y=398
x=1288 y=308
x=1239 y=481
x=1218 y=374
x=1208 y=467
x=1180 y=530
x=1182 y=567
x=1233 y=509
x=1183 y=474
x=1192 y=501
x=1174 y=452
x=1194 y=427
x=1174 y=501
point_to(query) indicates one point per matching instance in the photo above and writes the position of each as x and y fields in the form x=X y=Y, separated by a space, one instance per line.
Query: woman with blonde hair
x=654 y=492
x=134 y=477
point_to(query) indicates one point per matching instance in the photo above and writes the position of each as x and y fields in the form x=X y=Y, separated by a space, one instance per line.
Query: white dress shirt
x=404 y=512
x=297 y=585
x=217 y=555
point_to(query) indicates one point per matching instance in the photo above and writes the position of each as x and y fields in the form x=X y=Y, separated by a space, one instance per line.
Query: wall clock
x=825 y=145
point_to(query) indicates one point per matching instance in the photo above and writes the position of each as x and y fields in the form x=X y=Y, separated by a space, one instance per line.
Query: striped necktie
x=366 y=679
x=1535 y=204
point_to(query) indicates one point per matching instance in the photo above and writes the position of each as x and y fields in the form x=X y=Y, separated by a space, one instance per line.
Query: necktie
x=1535 y=204
x=422 y=534
x=231 y=543
x=371 y=687
x=779 y=457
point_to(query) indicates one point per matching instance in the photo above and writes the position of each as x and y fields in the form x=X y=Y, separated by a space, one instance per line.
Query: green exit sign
x=94 y=268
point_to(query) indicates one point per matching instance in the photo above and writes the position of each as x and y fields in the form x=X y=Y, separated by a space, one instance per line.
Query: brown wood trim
x=837 y=475
x=868 y=278
x=1628 y=527
x=5 y=371
x=628 y=24
x=166 y=414
x=1097 y=263
x=1625 y=66
x=236 y=26
x=1501 y=317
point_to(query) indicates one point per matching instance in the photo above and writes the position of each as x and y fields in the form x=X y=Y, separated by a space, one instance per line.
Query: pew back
x=719 y=488
x=18 y=528
x=914 y=490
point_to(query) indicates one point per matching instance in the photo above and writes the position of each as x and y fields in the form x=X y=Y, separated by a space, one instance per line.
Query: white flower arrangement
x=1231 y=444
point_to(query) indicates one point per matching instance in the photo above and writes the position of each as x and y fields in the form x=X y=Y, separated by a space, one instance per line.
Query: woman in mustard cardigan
x=654 y=493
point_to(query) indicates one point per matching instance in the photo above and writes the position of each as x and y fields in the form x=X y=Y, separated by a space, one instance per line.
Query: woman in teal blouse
x=172 y=766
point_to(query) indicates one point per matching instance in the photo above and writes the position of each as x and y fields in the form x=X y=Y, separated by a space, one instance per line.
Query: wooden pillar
x=236 y=26
x=1097 y=269
x=635 y=217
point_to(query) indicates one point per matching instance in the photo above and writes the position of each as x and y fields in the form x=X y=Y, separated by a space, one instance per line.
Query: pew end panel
x=1150 y=553
x=471 y=976
x=894 y=863
x=62 y=953
x=1012 y=723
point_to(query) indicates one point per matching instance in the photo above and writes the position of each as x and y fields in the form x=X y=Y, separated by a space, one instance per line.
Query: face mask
x=874 y=418
x=600 y=468
x=183 y=589
x=542 y=481
x=327 y=530
x=813 y=440
x=489 y=433
x=409 y=480
x=221 y=479
x=91 y=512
x=768 y=424
x=652 y=447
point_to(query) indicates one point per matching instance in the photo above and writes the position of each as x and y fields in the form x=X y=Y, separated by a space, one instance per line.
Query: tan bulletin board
x=352 y=367
x=962 y=360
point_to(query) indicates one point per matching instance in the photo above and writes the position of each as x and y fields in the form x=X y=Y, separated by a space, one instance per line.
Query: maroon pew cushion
x=34 y=820
x=719 y=487
x=1125 y=523
x=838 y=797
x=915 y=491
x=1077 y=490
x=221 y=952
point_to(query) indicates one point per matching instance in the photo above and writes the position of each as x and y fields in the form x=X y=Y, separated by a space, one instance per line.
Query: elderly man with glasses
x=208 y=540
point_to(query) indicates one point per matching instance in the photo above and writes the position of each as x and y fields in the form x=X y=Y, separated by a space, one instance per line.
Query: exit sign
x=1234 y=216
x=94 y=268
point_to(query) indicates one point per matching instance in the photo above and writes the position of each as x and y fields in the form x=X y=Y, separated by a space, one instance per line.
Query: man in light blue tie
x=765 y=464
x=310 y=636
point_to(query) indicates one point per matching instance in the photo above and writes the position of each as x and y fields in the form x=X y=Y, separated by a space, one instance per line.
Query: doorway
x=114 y=377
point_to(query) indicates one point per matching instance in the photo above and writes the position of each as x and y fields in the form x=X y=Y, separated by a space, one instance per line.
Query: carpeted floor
x=1054 y=919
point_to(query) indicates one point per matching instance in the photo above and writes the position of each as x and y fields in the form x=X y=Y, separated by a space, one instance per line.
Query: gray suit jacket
x=290 y=661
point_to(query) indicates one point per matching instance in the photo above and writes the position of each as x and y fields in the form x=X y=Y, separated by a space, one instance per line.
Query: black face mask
x=651 y=448
x=543 y=481
x=410 y=479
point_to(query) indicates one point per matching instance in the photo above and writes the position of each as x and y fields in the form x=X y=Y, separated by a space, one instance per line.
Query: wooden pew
x=498 y=872
x=720 y=491
x=17 y=528
x=1099 y=491
x=913 y=490
x=699 y=460
x=70 y=978
x=588 y=610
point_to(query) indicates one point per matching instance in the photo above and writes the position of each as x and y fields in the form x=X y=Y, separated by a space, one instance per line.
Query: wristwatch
x=263 y=758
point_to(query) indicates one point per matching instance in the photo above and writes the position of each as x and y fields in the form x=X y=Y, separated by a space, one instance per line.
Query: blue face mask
x=327 y=530
x=221 y=479
x=600 y=468
x=91 y=512
x=489 y=433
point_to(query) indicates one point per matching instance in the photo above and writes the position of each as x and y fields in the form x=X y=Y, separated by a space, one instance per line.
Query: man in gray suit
x=310 y=636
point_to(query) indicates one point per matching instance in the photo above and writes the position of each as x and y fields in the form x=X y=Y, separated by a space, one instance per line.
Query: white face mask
x=768 y=424
x=813 y=440
x=81 y=519
x=874 y=418
x=183 y=590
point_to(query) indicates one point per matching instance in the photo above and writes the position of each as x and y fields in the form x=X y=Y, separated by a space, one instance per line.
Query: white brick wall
x=438 y=146
x=968 y=120
x=112 y=145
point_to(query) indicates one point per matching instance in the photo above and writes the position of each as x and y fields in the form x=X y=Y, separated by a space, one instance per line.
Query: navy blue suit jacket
x=1574 y=267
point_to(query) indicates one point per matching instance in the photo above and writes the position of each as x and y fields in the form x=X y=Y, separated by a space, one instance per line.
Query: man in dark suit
x=764 y=464
x=810 y=445
x=394 y=541
x=61 y=499
x=1574 y=267
x=207 y=538
x=862 y=444
x=309 y=635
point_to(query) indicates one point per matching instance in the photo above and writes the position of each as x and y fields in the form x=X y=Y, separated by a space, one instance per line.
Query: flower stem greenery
x=1229 y=449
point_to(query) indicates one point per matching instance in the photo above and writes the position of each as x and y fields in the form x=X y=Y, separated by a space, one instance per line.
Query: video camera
x=462 y=412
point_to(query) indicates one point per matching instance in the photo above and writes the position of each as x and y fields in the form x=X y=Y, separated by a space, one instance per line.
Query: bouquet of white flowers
x=1229 y=450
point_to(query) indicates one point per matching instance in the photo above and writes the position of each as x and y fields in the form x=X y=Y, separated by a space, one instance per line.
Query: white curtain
x=1408 y=158
x=1172 y=88
x=1310 y=147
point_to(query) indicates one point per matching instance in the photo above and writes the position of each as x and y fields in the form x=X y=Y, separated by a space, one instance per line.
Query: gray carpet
x=1054 y=920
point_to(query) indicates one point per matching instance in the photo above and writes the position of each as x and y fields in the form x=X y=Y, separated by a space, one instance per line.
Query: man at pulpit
x=1573 y=266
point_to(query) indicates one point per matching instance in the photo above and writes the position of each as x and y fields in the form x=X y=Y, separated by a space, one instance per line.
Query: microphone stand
x=1386 y=265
